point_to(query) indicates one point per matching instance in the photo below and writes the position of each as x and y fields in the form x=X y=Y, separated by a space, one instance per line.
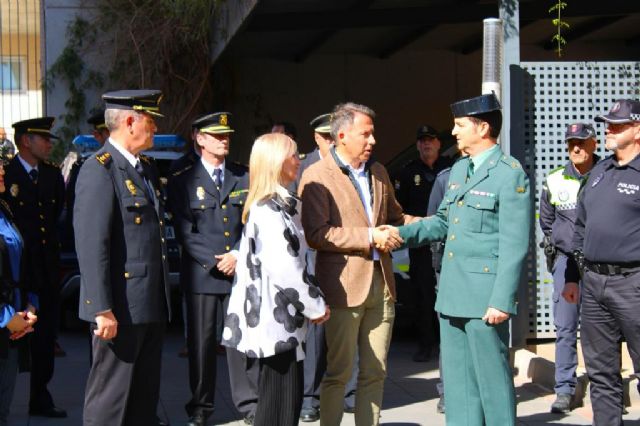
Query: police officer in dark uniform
x=36 y=196
x=606 y=248
x=101 y=134
x=122 y=254
x=413 y=186
x=207 y=200
x=557 y=216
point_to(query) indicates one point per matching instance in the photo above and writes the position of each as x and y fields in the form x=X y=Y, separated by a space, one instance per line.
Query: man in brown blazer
x=345 y=196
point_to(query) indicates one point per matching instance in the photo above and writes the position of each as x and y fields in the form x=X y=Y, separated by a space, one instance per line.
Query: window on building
x=12 y=73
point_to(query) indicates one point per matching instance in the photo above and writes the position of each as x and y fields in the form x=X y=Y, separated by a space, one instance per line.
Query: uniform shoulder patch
x=511 y=162
x=104 y=158
x=182 y=170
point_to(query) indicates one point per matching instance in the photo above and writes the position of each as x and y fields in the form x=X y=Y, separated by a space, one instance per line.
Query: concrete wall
x=405 y=91
x=57 y=16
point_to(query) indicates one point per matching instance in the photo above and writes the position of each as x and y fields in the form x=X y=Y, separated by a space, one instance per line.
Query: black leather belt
x=612 y=269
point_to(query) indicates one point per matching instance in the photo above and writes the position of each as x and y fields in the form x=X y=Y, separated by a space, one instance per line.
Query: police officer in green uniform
x=486 y=219
x=413 y=187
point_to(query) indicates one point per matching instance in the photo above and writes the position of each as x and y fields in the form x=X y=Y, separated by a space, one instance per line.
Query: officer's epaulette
x=6 y=208
x=510 y=161
x=104 y=158
x=443 y=171
x=49 y=163
x=182 y=170
x=302 y=156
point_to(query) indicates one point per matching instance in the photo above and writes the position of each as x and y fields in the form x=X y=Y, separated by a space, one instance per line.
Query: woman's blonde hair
x=265 y=168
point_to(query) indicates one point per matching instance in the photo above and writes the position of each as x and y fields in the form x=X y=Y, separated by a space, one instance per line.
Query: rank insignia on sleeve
x=200 y=193
x=131 y=187
x=520 y=189
x=238 y=193
x=14 y=190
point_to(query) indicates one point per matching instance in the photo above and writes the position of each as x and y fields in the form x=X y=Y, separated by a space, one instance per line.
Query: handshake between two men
x=386 y=238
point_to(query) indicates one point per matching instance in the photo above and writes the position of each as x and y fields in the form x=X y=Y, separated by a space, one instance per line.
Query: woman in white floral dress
x=274 y=294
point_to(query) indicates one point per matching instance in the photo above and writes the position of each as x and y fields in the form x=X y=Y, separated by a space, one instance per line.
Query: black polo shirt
x=608 y=218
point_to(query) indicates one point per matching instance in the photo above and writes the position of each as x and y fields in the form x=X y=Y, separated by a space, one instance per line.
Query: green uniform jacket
x=487 y=224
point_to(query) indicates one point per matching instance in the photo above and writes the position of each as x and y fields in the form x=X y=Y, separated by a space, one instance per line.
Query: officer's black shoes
x=440 y=407
x=197 y=420
x=248 y=419
x=309 y=415
x=51 y=411
x=562 y=404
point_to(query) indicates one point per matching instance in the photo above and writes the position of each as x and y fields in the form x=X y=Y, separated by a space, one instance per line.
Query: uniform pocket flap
x=481 y=202
x=480 y=265
x=202 y=204
x=133 y=270
x=134 y=202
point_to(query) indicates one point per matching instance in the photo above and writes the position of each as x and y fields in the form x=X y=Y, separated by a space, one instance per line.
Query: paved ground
x=409 y=400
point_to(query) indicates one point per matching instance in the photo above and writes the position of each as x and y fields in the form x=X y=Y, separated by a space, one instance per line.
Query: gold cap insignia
x=14 y=190
x=417 y=180
x=223 y=119
x=131 y=187
x=520 y=189
x=200 y=193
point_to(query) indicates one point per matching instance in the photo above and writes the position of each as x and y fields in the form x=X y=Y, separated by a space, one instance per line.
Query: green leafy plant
x=70 y=68
x=560 y=25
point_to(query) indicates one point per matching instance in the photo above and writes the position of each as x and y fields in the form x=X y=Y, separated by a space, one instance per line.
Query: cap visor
x=611 y=119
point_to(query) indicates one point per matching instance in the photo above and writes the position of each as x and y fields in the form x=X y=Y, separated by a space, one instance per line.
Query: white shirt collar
x=132 y=159
x=210 y=167
x=358 y=171
x=26 y=165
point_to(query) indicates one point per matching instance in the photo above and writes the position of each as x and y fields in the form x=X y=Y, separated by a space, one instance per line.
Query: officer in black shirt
x=606 y=248
x=413 y=186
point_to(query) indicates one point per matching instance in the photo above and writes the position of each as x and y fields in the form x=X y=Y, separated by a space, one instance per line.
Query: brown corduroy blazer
x=336 y=225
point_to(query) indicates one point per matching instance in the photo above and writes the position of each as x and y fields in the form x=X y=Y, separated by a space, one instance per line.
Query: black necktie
x=143 y=174
x=217 y=179
x=34 y=175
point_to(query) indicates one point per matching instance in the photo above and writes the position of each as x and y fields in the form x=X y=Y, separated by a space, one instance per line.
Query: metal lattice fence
x=556 y=94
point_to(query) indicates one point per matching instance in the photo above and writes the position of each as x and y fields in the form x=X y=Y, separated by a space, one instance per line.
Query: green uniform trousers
x=478 y=378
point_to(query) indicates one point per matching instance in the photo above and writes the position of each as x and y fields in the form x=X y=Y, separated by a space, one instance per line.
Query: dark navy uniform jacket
x=414 y=182
x=119 y=231
x=607 y=228
x=36 y=209
x=207 y=223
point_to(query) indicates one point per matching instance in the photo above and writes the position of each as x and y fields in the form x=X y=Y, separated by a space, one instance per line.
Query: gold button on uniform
x=161 y=223
x=225 y=219
x=126 y=275
x=461 y=203
x=202 y=206
x=137 y=220
x=164 y=257
x=41 y=216
x=224 y=206
x=88 y=302
x=485 y=269
x=137 y=204
x=456 y=220
x=478 y=205
x=162 y=239
x=450 y=254
x=227 y=248
x=42 y=229
x=226 y=233
x=453 y=237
